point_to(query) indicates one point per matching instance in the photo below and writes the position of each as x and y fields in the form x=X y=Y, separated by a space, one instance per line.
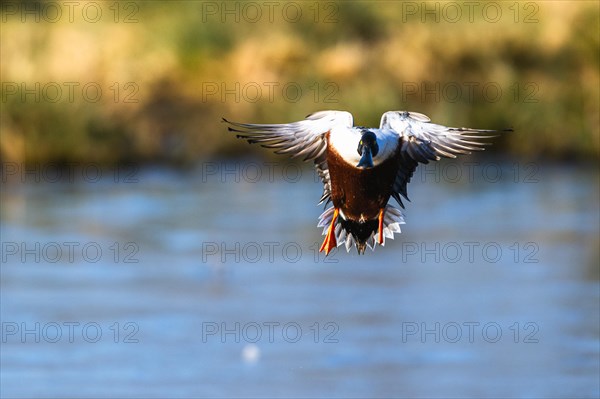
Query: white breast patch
x=345 y=142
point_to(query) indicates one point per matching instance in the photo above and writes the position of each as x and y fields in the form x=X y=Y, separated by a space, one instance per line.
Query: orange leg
x=381 y=226
x=330 y=242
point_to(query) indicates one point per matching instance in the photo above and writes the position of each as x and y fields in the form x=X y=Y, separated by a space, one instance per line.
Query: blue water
x=208 y=283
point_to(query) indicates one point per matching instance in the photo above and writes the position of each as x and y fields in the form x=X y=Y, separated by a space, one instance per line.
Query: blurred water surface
x=208 y=286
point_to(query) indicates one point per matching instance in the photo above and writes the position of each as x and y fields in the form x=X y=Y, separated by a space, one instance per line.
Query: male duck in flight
x=361 y=168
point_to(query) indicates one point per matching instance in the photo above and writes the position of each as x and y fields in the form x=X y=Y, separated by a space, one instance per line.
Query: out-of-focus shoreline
x=111 y=91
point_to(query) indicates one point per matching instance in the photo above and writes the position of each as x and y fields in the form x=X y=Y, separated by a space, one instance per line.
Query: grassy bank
x=148 y=81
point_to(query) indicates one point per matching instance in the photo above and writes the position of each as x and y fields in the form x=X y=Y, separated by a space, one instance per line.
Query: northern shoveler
x=361 y=168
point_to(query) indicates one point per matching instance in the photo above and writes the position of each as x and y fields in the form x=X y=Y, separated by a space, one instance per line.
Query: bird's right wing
x=306 y=138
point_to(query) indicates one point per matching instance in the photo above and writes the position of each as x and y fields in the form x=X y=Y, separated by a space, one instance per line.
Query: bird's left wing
x=306 y=138
x=423 y=141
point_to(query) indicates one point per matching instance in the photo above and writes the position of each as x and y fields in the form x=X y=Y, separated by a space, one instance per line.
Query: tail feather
x=359 y=234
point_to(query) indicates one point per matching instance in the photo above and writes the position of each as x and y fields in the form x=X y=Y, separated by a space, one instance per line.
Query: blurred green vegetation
x=168 y=71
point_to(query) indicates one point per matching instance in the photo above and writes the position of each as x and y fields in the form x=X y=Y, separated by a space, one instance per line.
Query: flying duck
x=361 y=167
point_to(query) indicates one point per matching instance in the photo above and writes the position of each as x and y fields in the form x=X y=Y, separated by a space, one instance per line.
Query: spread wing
x=306 y=138
x=423 y=141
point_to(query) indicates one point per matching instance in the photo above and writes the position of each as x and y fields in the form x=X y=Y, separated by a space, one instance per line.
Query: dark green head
x=367 y=148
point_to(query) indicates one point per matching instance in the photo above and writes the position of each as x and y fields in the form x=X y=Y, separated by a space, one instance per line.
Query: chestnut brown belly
x=360 y=193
